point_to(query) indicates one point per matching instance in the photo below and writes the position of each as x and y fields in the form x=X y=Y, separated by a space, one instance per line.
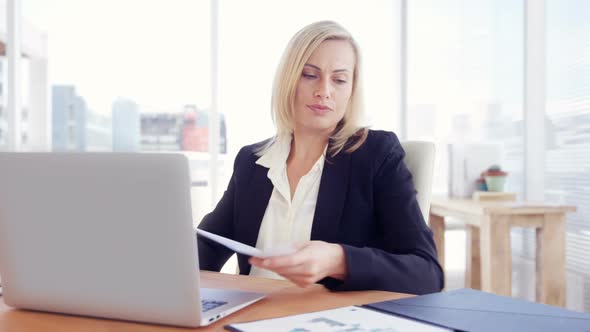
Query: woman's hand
x=313 y=261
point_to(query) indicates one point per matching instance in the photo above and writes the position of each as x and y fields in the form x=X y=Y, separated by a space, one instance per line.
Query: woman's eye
x=340 y=81
x=309 y=76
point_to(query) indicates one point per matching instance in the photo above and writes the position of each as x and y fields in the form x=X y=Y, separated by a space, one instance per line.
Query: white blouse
x=286 y=221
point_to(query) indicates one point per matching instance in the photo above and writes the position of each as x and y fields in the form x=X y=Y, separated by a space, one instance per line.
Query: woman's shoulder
x=381 y=142
x=378 y=142
x=250 y=152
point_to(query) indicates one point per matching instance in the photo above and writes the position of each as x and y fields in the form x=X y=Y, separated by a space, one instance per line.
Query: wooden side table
x=489 y=254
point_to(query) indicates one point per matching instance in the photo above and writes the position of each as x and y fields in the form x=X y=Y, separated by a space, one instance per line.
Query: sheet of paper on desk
x=244 y=248
x=337 y=320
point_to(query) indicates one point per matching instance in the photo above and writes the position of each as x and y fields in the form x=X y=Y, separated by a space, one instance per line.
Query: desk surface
x=283 y=298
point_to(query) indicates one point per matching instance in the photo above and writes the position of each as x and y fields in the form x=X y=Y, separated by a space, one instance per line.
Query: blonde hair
x=297 y=53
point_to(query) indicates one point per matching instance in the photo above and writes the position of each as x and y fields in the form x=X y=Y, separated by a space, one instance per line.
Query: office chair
x=420 y=161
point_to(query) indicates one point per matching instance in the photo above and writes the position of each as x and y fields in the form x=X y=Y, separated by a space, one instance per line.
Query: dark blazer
x=366 y=202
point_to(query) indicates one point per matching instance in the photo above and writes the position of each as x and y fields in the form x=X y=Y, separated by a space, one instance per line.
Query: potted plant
x=495 y=178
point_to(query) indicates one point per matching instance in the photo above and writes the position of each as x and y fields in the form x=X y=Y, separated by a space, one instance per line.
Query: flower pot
x=495 y=182
x=480 y=184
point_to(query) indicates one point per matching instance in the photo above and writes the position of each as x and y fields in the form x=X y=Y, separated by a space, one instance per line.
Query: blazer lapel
x=252 y=208
x=331 y=198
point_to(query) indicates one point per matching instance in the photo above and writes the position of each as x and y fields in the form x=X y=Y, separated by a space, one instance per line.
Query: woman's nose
x=323 y=90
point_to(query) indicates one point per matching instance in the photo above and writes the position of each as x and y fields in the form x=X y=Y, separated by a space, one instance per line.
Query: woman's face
x=324 y=88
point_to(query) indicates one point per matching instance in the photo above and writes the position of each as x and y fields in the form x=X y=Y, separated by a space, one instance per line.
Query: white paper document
x=337 y=320
x=246 y=249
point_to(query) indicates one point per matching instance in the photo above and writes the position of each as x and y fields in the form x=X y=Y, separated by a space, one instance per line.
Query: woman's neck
x=307 y=148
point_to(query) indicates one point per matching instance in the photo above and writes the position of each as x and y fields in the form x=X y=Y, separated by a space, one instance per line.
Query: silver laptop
x=107 y=235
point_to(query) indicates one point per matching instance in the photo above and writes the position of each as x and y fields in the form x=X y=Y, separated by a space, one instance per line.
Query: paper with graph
x=347 y=319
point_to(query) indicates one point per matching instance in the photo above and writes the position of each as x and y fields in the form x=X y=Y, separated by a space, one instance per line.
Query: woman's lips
x=319 y=109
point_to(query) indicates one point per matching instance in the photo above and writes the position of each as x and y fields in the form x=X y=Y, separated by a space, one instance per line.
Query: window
x=465 y=79
x=567 y=143
x=72 y=136
x=465 y=86
x=116 y=65
x=71 y=112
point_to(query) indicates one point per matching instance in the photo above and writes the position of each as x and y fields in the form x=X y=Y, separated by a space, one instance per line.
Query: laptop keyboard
x=211 y=304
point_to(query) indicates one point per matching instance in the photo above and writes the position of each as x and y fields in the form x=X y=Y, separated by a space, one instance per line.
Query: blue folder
x=476 y=311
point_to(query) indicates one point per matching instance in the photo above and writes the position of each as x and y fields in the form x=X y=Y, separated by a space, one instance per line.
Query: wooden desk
x=489 y=254
x=283 y=299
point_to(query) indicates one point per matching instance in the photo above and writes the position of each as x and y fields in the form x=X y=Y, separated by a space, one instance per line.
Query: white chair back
x=420 y=161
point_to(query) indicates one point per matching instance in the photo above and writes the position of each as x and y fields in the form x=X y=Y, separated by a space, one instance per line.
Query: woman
x=337 y=191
